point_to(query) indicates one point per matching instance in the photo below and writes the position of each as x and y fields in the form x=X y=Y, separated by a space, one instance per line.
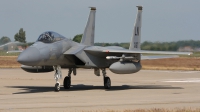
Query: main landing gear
x=67 y=82
x=67 y=79
x=106 y=79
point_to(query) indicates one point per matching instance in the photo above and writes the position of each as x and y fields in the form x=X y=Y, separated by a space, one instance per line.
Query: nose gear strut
x=57 y=76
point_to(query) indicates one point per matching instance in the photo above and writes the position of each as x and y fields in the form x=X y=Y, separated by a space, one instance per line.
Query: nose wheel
x=57 y=87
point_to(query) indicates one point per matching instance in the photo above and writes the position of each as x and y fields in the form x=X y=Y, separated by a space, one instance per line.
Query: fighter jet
x=52 y=51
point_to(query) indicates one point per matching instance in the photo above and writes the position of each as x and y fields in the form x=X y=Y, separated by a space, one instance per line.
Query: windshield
x=49 y=37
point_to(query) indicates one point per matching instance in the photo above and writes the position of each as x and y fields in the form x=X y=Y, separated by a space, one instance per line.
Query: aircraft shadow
x=82 y=87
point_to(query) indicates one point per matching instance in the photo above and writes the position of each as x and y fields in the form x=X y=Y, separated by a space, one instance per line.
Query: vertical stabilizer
x=88 y=35
x=135 y=40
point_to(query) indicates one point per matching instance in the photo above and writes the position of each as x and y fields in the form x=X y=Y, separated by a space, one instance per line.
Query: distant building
x=20 y=48
x=197 y=49
x=186 y=48
x=11 y=47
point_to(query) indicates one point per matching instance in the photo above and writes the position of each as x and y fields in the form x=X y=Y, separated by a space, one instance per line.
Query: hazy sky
x=163 y=20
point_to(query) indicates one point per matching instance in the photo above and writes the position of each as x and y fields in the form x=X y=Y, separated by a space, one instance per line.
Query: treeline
x=124 y=45
x=158 y=46
x=19 y=36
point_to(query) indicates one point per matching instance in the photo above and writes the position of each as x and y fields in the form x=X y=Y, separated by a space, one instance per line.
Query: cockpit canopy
x=50 y=37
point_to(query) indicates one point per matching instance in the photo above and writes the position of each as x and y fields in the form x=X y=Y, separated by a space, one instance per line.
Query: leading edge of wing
x=73 y=50
x=138 y=51
x=149 y=52
x=158 y=57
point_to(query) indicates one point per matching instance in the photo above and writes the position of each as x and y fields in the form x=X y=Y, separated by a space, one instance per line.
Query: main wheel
x=107 y=83
x=67 y=82
x=57 y=87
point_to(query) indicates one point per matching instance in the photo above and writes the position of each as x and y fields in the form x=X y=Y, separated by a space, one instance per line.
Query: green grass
x=195 y=54
x=4 y=53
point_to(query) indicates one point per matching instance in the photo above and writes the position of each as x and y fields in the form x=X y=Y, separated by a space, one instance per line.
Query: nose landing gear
x=57 y=76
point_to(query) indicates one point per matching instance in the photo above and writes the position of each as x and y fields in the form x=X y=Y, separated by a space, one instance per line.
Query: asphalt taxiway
x=22 y=91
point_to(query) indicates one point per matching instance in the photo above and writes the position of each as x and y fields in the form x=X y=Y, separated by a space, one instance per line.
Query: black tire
x=67 y=82
x=107 y=83
x=57 y=87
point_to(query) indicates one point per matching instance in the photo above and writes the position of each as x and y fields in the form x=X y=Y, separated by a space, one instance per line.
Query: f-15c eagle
x=52 y=51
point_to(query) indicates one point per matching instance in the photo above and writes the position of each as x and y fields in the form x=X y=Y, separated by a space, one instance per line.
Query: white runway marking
x=194 y=80
x=168 y=71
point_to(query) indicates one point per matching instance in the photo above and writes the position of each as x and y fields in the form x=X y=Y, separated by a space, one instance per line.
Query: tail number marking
x=136 y=31
x=135 y=44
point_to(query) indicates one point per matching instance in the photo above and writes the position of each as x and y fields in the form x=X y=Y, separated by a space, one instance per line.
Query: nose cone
x=31 y=56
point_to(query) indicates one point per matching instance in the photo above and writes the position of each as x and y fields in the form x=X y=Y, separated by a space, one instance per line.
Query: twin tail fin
x=88 y=35
x=136 y=38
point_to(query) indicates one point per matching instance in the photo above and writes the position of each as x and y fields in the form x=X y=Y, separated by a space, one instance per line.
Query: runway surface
x=22 y=91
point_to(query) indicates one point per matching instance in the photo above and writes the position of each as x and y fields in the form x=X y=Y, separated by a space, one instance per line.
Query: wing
x=126 y=51
x=147 y=52
x=158 y=57
x=74 y=50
